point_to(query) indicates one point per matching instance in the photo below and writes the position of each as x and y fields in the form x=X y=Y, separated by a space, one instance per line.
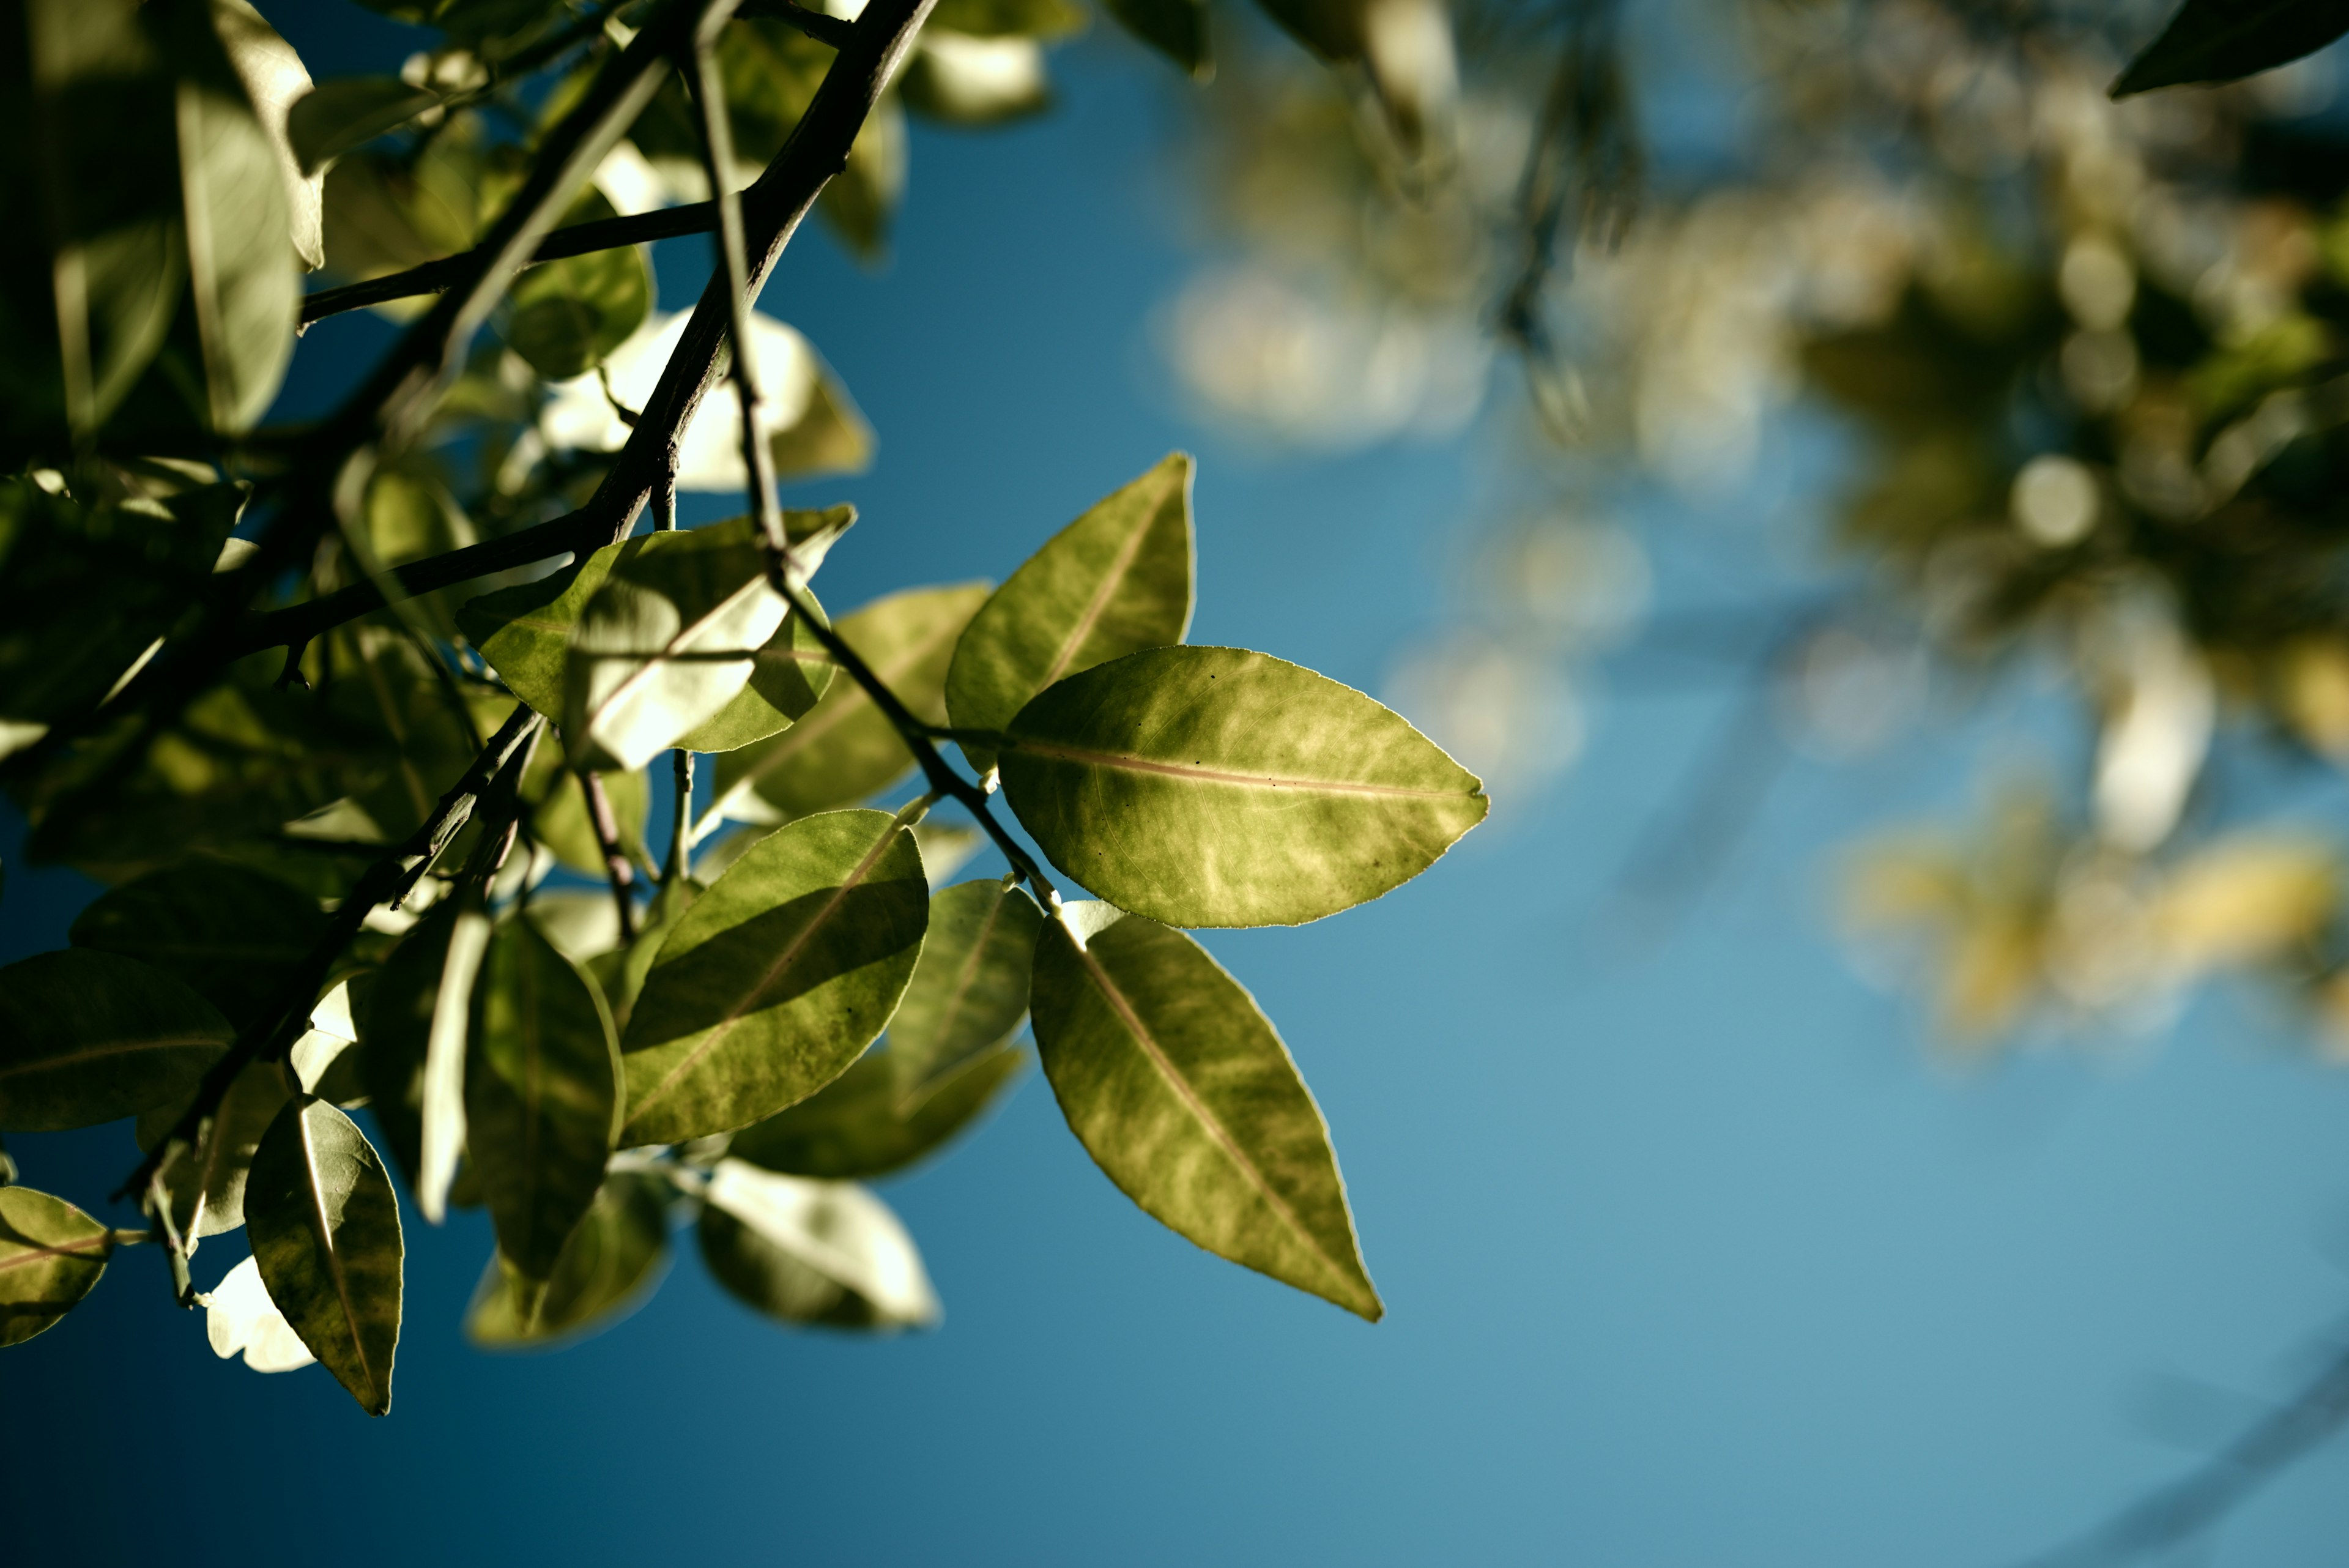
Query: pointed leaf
x=86 y=1037
x=275 y=81
x=812 y=1251
x=541 y=1095
x=788 y=678
x=609 y=1266
x=51 y=1254
x=326 y=1231
x=846 y=750
x=970 y=990
x=1213 y=786
x=1113 y=582
x=2221 y=41
x=1176 y=28
x=233 y=936
x=777 y=977
x=441 y=1127
x=1185 y=1097
x=206 y=1183
x=860 y=1126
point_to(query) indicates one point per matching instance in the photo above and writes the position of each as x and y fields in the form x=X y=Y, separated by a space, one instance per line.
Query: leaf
x=1212 y=786
x=665 y=644
x=812 y=1251
x=777 y=977
x=325 y=1232
x=233 y=936
x=541 y=1095
x=2222 y=40
x=1113 y=582
x=861 y=1125
x=51 y=1254
x=87 y=1037
x=274 y=82
x=831 y=434
x=1009 y=18
x=206 y=1183
x=567 y=315
x=788 y=677
x=524 y=631
x=348 y=112
x=1176 y=28
x=847 y=749
x=395 y=1025
x=959 y=79
x=558 y=812
x=1185 y=1097
x=971 y=988
x=240 y=1316
x=861 y=201
x=440 y=1087
x=608 y=1267
x=622 y=973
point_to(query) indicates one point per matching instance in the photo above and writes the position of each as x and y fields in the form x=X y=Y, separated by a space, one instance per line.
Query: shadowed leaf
x=326 y=1231
x=609 y=1266
x=2222 y=40
x=859 y=1125
x=51 y=1254
x=86 y=1037
x=970 y=990
x=206 y=1183
x=812 y=1251
x=230 y=935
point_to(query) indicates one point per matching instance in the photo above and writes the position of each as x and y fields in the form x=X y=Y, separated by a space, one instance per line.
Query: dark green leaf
x=970 y=990
x=847 y=749
x=1176 y=28
x=395 y=1021
x=1212 y=786
x=608 y=1268
x=86 y=1037
x=2221 y=41
x=541 y=1095
x=51 y=1254
x=206 y=1183
x=777 y=977
x=1185 y=1097
x=622 y=972
x=861 y=201
x=569 y=314
x=860 y=1125
x=341 y=114
x=812 y=1251
x=326 y=1231
x=233 y=936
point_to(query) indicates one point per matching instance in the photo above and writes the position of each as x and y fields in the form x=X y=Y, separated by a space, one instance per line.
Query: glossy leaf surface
x=861 y=1125
x=87 y=1036
x=51 y=1255
x=1213 y=786
x=970 y=990
x=609 y=1266
x=325 y=1234
x=777 y=977
x=233 y=936
x=812 y=1251
x=1179 y=1088
x=1113 y=582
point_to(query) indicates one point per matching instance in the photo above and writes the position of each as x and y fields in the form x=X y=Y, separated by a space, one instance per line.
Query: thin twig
x=616 y=869
x=816 y=25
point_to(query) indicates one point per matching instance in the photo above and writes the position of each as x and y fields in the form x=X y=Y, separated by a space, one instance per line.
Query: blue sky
x=1694 y=1254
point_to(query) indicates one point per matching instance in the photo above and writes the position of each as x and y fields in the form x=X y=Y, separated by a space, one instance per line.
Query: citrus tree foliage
x=359 y=718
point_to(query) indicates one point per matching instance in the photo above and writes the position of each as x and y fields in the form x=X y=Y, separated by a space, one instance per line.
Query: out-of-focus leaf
x=1176 y=28
x=812 y=1251
x=777 y=977
x=861 y=1125
x=970 y=990
x=1185 y=1097
x=622 y=972
x=395 y=1023
x=1212 y=786
x=861 y=201
x=2222 y=40
x=1007 y=18
x=541 y=1096
x=242 y=1318
x=830 y=436
x=274 y=80
x=559 y=818
x=325 y=1234
x=440 y=1086
x=1113 y=582
x=847 y=749
x=86 y=1037
x=51 y=1255
x=343 y=113
x=569 y=314
x=609 y=1266
x=206 y=1183
x=581 y=924
x=409 y=515
x=230 y=935
x=961 y=79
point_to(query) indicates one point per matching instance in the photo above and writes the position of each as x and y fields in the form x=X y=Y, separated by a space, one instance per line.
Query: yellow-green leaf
x=861 y=1125
x=51 y=1254
x=789 y=676
x=206 y=1182
x=326 y=1231
x=609 y=1266
x=970 y=990
x=812 y=1251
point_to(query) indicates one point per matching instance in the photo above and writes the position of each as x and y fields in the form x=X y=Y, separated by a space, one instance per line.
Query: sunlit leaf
x=241 y=1319
x=861 y=1125
x=812 y=1251
x=965 y=80
x=1212 y=786
x=2221 y=41
x=1185 y=1097
x=233 y=936
x=206 y=1183
x=970 y=990
x=274 y=82
x=86 y=1037
x=325 y=1232
x=1113 y=582
x=609 y=1266
x=777 y=977
x=51 y=1254
x=790 y=675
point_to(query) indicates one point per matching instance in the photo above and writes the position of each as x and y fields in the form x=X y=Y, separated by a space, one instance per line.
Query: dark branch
x=616 y=869
x=816 y=25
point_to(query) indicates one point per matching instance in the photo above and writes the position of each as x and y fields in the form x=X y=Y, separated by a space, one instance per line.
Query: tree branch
x=616 y=869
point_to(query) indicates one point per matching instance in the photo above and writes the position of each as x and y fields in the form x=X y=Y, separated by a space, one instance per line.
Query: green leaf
x=861 y=1125
x=2221 y=41
x=350 y=111
x=274 y=82
x=608 y=1267
x=233 y=936
x=1178 y=1087
x=87 y=1037
x=1113 y=582
x=622 y=973
x=970 y=990
x=1176 y=28
x=51 y=1254
x=326 y=1231
x=830 y=436
x=777 y=977
x=541 y=1095
x=812 y=1251
x=558 y=811
x=569 y=314
x=1009 y=18
x=395 y=1019
x=958 y=79
x=440 y=1087
x=524 y=631
x=1212 y=786
x=861 y=201
x=207 y=1183
x=665 y=644
x=846 y=750
x=788 y=678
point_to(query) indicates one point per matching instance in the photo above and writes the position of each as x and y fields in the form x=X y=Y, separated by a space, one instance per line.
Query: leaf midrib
x=114 y=1048
x=1124 y=762
x=47 y=1251
x=1120 y=568
x=668 y=652
x=314 y=1188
